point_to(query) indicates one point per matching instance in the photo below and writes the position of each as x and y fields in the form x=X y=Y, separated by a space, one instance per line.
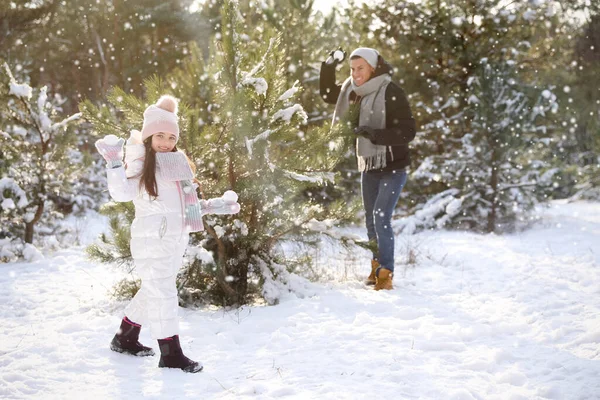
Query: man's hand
x=366 y=132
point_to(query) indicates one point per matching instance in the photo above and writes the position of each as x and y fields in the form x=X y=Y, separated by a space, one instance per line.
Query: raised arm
x=327 y=86
x=121 y=188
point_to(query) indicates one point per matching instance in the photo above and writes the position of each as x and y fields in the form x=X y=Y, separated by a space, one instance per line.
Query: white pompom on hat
x=161 y=117
x=368 y=54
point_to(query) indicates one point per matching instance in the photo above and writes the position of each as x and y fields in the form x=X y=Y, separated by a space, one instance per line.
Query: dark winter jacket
x=400 y=125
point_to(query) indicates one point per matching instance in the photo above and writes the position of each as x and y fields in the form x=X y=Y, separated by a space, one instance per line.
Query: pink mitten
x=111 y=149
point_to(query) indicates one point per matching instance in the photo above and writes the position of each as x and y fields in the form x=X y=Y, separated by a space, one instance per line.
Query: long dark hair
x=148 y=177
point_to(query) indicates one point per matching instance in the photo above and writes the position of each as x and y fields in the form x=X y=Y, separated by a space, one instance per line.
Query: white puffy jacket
x=158 y=242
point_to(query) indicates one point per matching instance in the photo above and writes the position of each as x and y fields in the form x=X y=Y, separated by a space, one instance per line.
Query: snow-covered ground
x=477 y=317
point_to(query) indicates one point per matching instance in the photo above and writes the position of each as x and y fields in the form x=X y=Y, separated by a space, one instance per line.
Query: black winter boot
x=171 y=356
x=126 y=340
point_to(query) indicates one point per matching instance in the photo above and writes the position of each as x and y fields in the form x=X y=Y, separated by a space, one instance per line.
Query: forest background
x=506 y=95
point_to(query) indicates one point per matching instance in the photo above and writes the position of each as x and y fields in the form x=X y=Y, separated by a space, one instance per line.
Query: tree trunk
x=234 y=290
x=29 y=232
x=29 y=226
x=491 y=221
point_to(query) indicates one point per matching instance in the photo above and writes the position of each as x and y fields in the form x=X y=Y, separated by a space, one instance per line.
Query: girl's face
x=361 y=70
x=163 y=142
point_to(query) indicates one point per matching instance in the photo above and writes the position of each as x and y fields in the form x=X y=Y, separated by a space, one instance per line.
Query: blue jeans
x=380 y=193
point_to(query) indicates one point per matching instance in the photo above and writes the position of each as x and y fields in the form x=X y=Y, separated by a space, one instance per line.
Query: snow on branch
x=289 y=93
x=45 y=122
x=279 y=282
x=451 y=102
x=260 y=84
x=286 y=114
x=66 y=121
x=473 y=99
x=327 y=227
x=21 y=90
x=261 y=64
x=314 y=177
x=263 y=136
x=7 y=203
x=436 y=212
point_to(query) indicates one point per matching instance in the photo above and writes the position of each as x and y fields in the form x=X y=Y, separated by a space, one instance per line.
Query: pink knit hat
x=161 y=117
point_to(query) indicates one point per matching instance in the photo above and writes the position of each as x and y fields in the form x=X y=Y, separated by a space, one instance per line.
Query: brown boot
x=371 y=279
x=384 y=279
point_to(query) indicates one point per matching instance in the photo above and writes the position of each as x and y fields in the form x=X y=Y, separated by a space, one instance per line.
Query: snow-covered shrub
x=39 y=162
x=490 y=176
x=13 y=249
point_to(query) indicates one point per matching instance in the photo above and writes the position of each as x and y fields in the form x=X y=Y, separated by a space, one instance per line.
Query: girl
x=158 y=179
x=385 y=127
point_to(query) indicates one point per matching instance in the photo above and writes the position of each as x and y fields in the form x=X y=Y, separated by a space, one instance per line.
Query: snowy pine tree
x=259 y=147
x=254 y=141
x=39 y=159
x=491 y=176
x=582 y=120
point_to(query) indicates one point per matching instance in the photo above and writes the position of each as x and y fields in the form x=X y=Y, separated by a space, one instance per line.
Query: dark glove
x=336 y=57
x=366 y=132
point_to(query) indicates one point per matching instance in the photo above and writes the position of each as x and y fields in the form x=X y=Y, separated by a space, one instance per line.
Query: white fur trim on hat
x=157 y=119
x=368 y=54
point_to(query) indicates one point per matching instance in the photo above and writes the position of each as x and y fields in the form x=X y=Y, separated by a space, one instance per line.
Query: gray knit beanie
x=368 y=54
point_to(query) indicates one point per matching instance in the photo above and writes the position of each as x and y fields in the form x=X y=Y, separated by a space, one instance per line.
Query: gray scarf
x=372 y=113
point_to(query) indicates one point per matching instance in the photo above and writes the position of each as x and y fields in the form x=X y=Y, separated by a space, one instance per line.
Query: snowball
x=111 y=140
x=230 y=196
x=339 y=55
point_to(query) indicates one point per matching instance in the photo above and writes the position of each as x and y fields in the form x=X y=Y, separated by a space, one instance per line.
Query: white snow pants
x=157 y=261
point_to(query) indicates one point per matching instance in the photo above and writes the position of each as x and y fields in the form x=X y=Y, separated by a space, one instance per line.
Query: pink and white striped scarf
x=174 y=167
